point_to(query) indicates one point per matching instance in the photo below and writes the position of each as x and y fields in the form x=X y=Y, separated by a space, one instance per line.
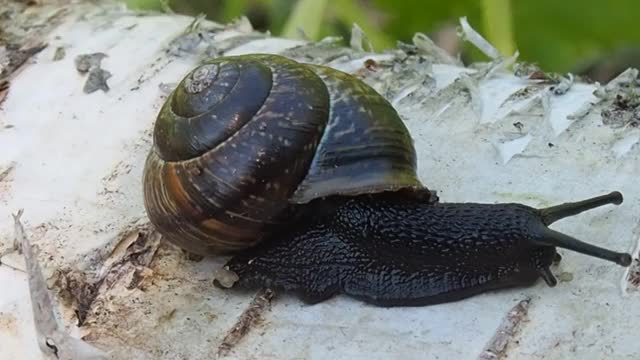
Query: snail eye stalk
x=555 y=213
x=550 y=237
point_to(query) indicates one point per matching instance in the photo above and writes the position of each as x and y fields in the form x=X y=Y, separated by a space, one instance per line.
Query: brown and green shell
x=243 y=138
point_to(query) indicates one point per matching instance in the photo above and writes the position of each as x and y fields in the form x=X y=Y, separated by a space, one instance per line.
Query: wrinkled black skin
x=390 y=250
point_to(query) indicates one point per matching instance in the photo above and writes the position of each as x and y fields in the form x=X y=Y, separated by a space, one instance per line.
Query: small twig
x=249 y=318
x=505 y=334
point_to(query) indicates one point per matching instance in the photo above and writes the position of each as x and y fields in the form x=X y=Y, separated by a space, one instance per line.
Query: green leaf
x=559 y=34
x=233 y=9
x=405 y=18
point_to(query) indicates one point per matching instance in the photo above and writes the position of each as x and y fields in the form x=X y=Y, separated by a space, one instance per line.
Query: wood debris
x=251 y=317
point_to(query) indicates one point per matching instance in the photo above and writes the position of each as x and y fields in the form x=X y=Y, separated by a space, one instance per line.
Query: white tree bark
x=73 y=162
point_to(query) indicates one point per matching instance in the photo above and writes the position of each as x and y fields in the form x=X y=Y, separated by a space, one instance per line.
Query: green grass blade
x=498 y=29
x=307 y=15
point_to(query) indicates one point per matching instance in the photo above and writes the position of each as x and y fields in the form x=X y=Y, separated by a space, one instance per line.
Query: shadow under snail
x=308 y=178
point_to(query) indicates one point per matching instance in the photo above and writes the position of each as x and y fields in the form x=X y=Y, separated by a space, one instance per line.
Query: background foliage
x=588 y=36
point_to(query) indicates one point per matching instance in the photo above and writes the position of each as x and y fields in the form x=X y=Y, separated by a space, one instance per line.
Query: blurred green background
x=591 y=37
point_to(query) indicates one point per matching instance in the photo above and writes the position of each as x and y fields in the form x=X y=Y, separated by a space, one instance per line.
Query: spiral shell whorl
x=225 y=174
x=212 y=102
x=241 y=138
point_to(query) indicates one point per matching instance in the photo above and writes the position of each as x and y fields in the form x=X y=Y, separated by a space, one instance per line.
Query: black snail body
x=308 y=177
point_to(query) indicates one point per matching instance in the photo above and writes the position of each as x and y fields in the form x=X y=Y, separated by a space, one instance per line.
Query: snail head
x=548 y=239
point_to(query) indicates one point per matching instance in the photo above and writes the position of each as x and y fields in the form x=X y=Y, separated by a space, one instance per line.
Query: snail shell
x=244 y=139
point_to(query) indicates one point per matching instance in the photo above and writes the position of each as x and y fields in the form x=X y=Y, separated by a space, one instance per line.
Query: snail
x=306 y=177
